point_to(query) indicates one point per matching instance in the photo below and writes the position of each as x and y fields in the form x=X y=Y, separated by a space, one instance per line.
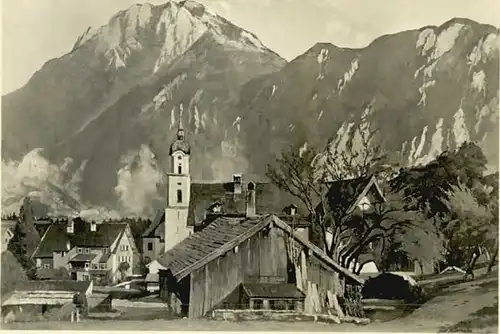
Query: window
x=103 y=266
x=79 y=250
x=126 y=247
x=179 y=169
x=150 y=246
x=104 y=250
x=46 y=266
x=179 y=196
x=87 y=265
x=86 y=277
x=95 y=266
x=62 y=253
x=87 y=250
x=236 y=250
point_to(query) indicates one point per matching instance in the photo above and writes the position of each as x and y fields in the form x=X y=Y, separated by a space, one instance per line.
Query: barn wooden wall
x=260 y=258
x=320 y=283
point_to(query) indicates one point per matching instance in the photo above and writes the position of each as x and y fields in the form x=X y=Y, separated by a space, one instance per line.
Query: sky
x=35 y=31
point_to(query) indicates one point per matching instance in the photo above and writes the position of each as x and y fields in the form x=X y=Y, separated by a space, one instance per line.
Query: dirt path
x=454 y=304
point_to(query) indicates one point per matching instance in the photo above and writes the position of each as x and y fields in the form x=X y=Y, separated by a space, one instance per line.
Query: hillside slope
x=425 y=90
x=90 y=131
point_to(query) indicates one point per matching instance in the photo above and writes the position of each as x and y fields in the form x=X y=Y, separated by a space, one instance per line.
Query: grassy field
x=463 y=307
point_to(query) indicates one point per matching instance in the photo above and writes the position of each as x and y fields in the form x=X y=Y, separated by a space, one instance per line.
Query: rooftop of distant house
x=57 y=238
x=211 y=200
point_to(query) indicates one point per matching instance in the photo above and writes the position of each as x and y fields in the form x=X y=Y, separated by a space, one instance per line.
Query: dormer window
x=364 y=204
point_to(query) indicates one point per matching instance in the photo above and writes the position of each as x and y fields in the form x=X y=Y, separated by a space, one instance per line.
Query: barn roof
x=344 y=195
x=269 y=290
x=54 y=285
x=223 y=235
x=211 y=240
x=53 y=292
x=56 y=238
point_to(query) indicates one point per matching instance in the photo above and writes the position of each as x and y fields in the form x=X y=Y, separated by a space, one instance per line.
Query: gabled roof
x=268 y=199
x=223 y=235
x=210 y=241
x=345 y=195
x=51 y=292
x=159 y=218
x=56 y=238
x=54 y=285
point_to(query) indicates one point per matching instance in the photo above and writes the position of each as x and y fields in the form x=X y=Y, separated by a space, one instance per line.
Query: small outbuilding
x=250 y=262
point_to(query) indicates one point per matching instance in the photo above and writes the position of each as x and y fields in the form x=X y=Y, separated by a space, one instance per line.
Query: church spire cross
x=180 y=129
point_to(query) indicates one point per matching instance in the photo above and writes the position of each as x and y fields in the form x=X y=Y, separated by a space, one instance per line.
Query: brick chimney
x=237 y=182
x=250 y=200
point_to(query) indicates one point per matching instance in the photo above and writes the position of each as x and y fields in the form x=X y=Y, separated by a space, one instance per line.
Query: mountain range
x=90 y=131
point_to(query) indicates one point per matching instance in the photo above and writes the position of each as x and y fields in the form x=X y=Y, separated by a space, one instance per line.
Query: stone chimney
x=237 y=182
x=250 y=200
x=70 y=227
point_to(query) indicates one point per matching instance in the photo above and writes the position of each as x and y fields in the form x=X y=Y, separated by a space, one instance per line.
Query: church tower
x=178 y=191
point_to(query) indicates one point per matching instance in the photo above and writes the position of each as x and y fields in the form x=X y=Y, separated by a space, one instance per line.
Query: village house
x=104 y=252
x=252 y=262
x=356 y=198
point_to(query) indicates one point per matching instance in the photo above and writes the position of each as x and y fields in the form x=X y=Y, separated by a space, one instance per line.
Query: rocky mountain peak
x=173 y=27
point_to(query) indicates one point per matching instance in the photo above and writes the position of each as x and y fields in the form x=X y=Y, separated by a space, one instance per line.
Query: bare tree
x=362 y=157
x=305 y=175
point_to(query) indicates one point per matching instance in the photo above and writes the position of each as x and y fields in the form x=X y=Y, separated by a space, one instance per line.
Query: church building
x=189 y=205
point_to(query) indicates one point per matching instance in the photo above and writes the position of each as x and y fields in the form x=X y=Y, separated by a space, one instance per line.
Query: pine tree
x=25 y=239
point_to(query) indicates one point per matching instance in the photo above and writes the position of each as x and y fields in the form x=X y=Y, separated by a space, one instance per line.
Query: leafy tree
x=470 y=226
x=393 y=227
x=123 y=267
x=430 y=184
x=423 y=243
x=25 y=239
x=62 y=273
x=12 y=273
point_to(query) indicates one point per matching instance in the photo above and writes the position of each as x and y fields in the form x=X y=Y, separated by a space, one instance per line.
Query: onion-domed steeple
x=180 y=144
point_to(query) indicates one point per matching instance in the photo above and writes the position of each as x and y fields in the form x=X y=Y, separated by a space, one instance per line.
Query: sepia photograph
x=250 y=165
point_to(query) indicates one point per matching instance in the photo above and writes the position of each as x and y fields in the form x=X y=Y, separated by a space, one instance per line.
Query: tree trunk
x=493 y=259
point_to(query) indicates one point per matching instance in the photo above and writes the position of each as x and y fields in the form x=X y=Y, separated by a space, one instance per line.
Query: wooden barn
x=250 y=262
